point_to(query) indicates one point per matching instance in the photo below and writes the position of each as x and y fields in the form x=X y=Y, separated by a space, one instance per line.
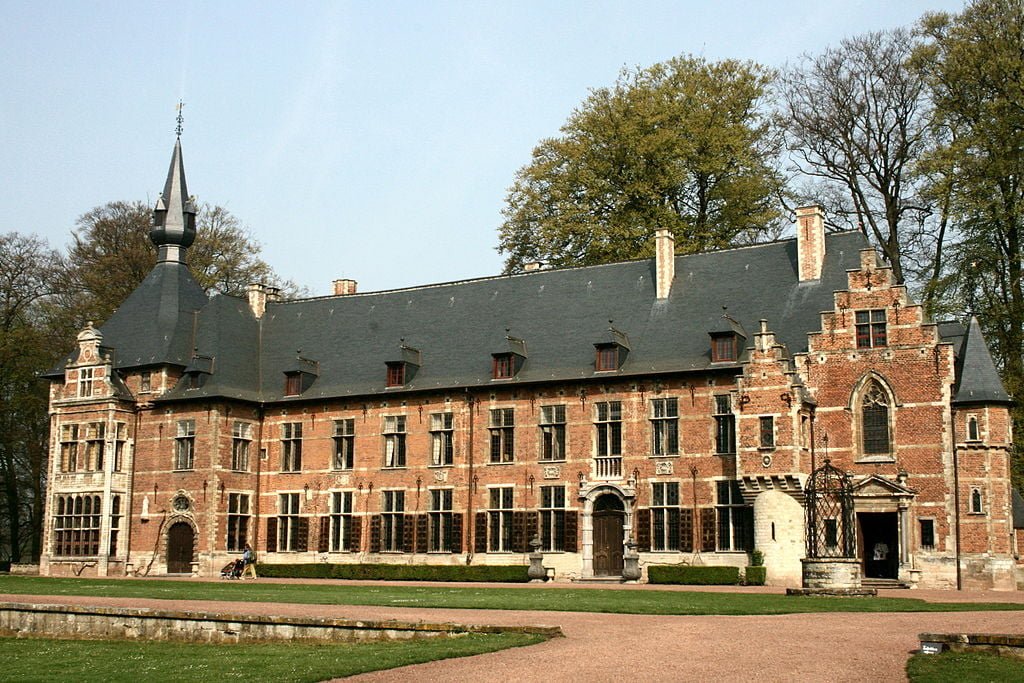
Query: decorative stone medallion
x=440 y=476
x=552 y=472
x=663 y=467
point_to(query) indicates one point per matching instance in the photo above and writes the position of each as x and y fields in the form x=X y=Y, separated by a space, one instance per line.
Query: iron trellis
x=830 y=527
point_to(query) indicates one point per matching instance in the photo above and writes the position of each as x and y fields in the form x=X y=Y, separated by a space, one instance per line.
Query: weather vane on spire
x=180 y=119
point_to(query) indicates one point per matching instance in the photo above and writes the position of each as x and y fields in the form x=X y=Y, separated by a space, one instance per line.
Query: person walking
x=249 y=559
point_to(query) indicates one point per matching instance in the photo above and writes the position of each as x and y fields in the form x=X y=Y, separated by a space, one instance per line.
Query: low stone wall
x=69 y=621
x=1010 y=644
x=831 y=572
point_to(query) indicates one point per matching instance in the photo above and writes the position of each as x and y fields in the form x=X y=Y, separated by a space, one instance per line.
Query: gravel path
x=607 y=647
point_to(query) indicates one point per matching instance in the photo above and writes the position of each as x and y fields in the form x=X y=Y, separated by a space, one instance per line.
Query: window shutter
x=456 y=533
x=353 y=534
x=571 y=526
x=519 y=532
x=530 y=530
x=707 y=530
x=408 y=523
x=302 y=542
x=375 y=534
x=421 y=533
x=643 y=529
x=481 y=532
x=323 y=542
x=272 y=534
x=686 y=530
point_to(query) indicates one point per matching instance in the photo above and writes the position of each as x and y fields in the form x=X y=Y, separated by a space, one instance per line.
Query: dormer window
x=300 y=375
x=85 y=377
x=607 y=357
x=396 y=374
x=509 y=359
x=503 y=366
x=724 y=347
x=199 y=368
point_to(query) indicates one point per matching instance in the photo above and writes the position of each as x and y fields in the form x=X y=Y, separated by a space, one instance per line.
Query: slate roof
x=978 y=381
x=559 y=314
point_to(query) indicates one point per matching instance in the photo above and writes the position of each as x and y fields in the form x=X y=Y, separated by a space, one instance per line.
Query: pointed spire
x=174 y=217
x=977 y=379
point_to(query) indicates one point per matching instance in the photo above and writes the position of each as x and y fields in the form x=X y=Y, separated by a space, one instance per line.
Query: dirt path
x=609 y=647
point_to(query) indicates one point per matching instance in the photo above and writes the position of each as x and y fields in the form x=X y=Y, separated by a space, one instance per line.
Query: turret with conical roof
x=977 y=378
x=174 y=217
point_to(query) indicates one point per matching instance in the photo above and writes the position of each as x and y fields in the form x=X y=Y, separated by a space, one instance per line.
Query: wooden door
x=608 y=543
x=180 y=548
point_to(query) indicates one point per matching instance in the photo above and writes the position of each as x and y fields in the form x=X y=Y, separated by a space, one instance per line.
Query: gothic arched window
x=874 y=408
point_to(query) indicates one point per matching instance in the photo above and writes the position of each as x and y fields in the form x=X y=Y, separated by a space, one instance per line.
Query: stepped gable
x=559 y=315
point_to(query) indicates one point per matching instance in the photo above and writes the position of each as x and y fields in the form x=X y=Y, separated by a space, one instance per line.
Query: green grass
x=489 y=597
x=964 y=667
x=43 y=659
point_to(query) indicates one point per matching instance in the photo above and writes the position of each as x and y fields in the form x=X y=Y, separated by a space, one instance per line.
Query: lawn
x=482 y=597
x=964 y=667
x=43 y=659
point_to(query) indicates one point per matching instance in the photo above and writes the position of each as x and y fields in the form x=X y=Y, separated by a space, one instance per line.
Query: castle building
x=676 y=404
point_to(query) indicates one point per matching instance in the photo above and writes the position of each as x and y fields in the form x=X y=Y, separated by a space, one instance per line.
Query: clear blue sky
x=369 y=140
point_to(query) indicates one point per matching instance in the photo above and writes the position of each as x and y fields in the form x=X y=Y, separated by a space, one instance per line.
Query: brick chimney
x=259 y=294
x=664 y=262
x=344 y=287
x=810 y=241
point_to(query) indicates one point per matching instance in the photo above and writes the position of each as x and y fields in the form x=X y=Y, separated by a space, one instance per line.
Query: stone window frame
x=665 y=516
x=553 y=433
x=394 y=433
x=85 y=382
x=342 y=511
x=289 y=511
x=185 y=445
x=973 y=424
x=440 y=520
x=664 y=418
x=239 y=517
x=976 y=501
x=551 y=514
x=343 y=456
x=392 y=520
x=921 y=521
x=500 y=516
x=241 y=445
x=442 y=439
x=291 y=447
x=501 y=427
x=865 y=384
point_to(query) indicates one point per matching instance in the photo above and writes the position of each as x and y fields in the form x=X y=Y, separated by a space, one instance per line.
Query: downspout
x=471 y=522
x=956 y=498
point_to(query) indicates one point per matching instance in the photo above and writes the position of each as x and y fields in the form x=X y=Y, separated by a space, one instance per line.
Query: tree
x=974 y=66
x=681 y=145
x=29 y=270
x=856 y=118
x=111 y=254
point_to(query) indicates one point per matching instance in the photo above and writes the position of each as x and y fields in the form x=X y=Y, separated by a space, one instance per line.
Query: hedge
x=397 y=572
x=755 y=576
x=694 y=576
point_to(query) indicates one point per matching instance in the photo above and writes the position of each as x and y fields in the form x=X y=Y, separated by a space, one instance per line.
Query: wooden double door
x=608 y=518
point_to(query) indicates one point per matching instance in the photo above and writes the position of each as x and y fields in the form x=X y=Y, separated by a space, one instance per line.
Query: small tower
x=174 y=217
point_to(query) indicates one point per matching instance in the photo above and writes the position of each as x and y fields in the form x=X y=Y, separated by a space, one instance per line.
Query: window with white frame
x=115 y=525
x=394 y=441
x=665 y=426
x=665 y=515
x=735 y=518
x=291 y=447
x=120 y=442
x=95 y=440
x=288 y=522
x=725 y=425
x=392 y=521
x=76 y=526
x=344 y=444
x=441 y=521
x=85 y=379
x=238 y=521
x=552 y=432
x=552 y=518
x=341 y=521
x=442 y=439
x=185 y=445
x=241 y=442
x=502 y=430
x=69 y=448
x=499 y=537
x=608 y=421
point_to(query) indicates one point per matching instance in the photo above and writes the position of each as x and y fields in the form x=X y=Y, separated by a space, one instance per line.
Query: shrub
x=5 y=567
x=755 y=576
x=397 y=572
x=757 y=558
x=694 y=576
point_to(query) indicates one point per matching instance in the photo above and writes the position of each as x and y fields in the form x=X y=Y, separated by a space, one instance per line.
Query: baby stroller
x=232 y=570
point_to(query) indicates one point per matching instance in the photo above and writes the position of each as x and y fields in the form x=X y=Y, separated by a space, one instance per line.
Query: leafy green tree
x=974 y=65
x=682 y=145
x=111 y=254
x=29 y=271
x=856 y=118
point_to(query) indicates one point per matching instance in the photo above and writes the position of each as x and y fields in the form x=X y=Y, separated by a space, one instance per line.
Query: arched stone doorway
x=609 y=517
x=180 y=548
